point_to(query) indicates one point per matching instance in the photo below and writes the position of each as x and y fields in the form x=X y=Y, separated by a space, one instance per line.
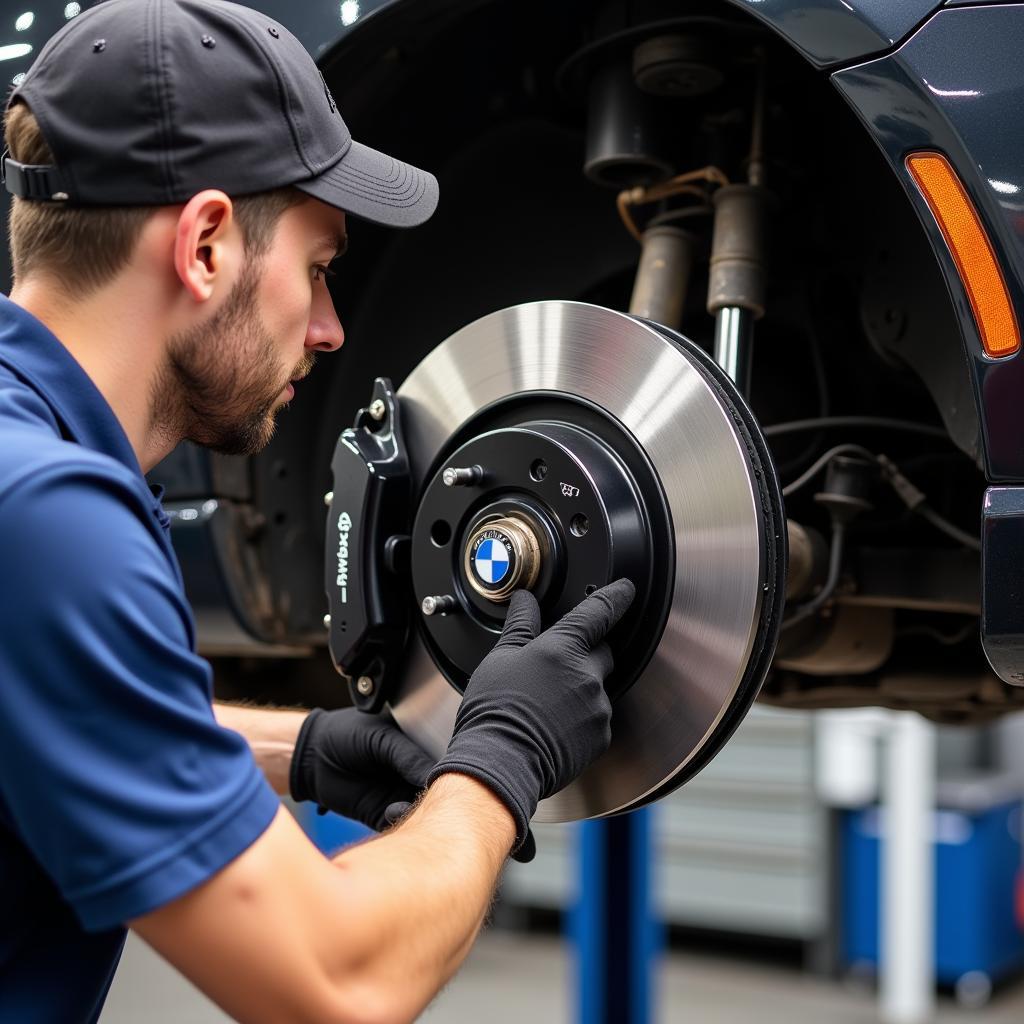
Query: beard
x=221 y=380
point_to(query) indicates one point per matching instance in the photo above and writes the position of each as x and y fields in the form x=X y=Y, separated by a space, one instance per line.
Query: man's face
x=226 y=378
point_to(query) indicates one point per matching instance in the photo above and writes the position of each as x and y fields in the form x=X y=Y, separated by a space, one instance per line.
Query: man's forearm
x=369 y=936
x=424 y=888
x=270 y=733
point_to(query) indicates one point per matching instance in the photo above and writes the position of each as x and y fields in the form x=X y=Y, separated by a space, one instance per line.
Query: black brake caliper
x=367 y=551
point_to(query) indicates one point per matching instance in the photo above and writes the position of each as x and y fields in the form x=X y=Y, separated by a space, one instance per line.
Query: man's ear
x=205 y=243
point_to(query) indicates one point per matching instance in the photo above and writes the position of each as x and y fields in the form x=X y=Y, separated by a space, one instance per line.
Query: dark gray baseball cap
x=147 y=102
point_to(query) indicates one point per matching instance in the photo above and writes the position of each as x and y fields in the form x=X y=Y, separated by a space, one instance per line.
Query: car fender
x=955 y=87
x=832 y=32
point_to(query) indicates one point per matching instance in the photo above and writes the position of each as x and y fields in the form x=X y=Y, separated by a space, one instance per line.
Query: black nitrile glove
x=535 y=713
x=356 y=764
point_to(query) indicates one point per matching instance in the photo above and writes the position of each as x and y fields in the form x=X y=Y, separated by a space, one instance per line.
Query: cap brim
x=376 y=187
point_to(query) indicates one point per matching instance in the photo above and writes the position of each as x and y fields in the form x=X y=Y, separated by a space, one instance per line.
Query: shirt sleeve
x=113 y=769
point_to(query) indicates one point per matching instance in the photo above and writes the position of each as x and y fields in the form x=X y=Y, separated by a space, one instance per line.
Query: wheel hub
x=546 y=505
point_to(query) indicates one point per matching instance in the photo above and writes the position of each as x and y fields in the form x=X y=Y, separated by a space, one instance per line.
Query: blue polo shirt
x=118 y=790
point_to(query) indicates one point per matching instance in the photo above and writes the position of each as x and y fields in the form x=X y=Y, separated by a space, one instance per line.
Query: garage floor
x=511 y=978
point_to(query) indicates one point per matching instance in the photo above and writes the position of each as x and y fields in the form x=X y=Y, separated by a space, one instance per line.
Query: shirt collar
x=36 y=355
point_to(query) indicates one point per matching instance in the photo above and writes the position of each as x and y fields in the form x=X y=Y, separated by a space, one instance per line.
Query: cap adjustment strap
x=40 y=182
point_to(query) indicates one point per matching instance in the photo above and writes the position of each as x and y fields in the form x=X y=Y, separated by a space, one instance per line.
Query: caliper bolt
x=327 y=622
x=453 y=477
x=438 y=605
x=328 y=497
x=364 y=684
x=378 y=409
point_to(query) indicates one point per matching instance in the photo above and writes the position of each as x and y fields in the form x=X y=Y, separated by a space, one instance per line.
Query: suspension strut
x=736 y=278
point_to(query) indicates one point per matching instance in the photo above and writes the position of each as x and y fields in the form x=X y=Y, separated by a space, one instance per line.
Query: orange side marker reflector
x=971 y=251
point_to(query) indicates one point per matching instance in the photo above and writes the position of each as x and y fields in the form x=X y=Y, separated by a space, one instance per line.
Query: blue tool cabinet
x=977 y=857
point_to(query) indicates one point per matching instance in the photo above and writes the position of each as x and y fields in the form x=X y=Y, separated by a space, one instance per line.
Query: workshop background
x=768 y=886
x=840 y=865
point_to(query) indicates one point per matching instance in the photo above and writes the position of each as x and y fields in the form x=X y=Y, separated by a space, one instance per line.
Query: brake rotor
x=665 y=452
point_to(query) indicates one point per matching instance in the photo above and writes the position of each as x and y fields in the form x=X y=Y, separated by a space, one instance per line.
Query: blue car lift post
x=612 y=923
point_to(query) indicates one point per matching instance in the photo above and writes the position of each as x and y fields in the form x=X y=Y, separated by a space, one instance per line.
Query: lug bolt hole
x=538 y=470
x=440 y=533
x=590 y=588
x=579 y=525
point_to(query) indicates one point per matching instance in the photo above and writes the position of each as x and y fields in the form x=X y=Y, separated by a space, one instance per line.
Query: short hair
x=89 y=246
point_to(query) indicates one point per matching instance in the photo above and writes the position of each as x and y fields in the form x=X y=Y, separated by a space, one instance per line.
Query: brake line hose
x=913 y=497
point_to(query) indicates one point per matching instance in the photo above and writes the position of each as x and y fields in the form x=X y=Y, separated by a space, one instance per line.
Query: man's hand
x=356 y=764
x=535 y=713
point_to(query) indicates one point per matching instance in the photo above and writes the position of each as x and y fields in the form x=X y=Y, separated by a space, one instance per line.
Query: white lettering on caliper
x=344 y=525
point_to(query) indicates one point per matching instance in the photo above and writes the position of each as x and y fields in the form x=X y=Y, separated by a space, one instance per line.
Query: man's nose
x=325 y=333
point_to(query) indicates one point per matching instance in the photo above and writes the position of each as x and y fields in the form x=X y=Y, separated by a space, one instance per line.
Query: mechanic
x=181 y=178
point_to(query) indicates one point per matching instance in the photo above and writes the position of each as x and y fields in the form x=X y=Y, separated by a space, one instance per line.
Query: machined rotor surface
x=698 y=684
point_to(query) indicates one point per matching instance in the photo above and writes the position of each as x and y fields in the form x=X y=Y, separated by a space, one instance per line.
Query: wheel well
x=858 y=317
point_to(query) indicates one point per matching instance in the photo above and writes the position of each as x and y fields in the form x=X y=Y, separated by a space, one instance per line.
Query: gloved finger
x=300 y=774
x=528 y=850
x=593 y=617
x=603 y=660
x=522 y=623
x=407 y=758
x=374 y=804
x=395 y=812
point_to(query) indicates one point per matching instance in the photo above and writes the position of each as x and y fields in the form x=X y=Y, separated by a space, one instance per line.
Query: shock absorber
x=736 y=277
x=666 y=259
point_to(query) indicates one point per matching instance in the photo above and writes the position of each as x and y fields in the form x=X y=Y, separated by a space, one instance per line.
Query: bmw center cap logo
x=500 y=555
x=492 y=558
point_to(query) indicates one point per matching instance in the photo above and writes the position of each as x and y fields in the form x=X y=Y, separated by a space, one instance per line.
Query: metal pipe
x=734 y=336
x=659 y=291
x=907 y=991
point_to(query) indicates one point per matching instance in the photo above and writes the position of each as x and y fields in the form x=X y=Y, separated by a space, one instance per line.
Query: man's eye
x=322 y=272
